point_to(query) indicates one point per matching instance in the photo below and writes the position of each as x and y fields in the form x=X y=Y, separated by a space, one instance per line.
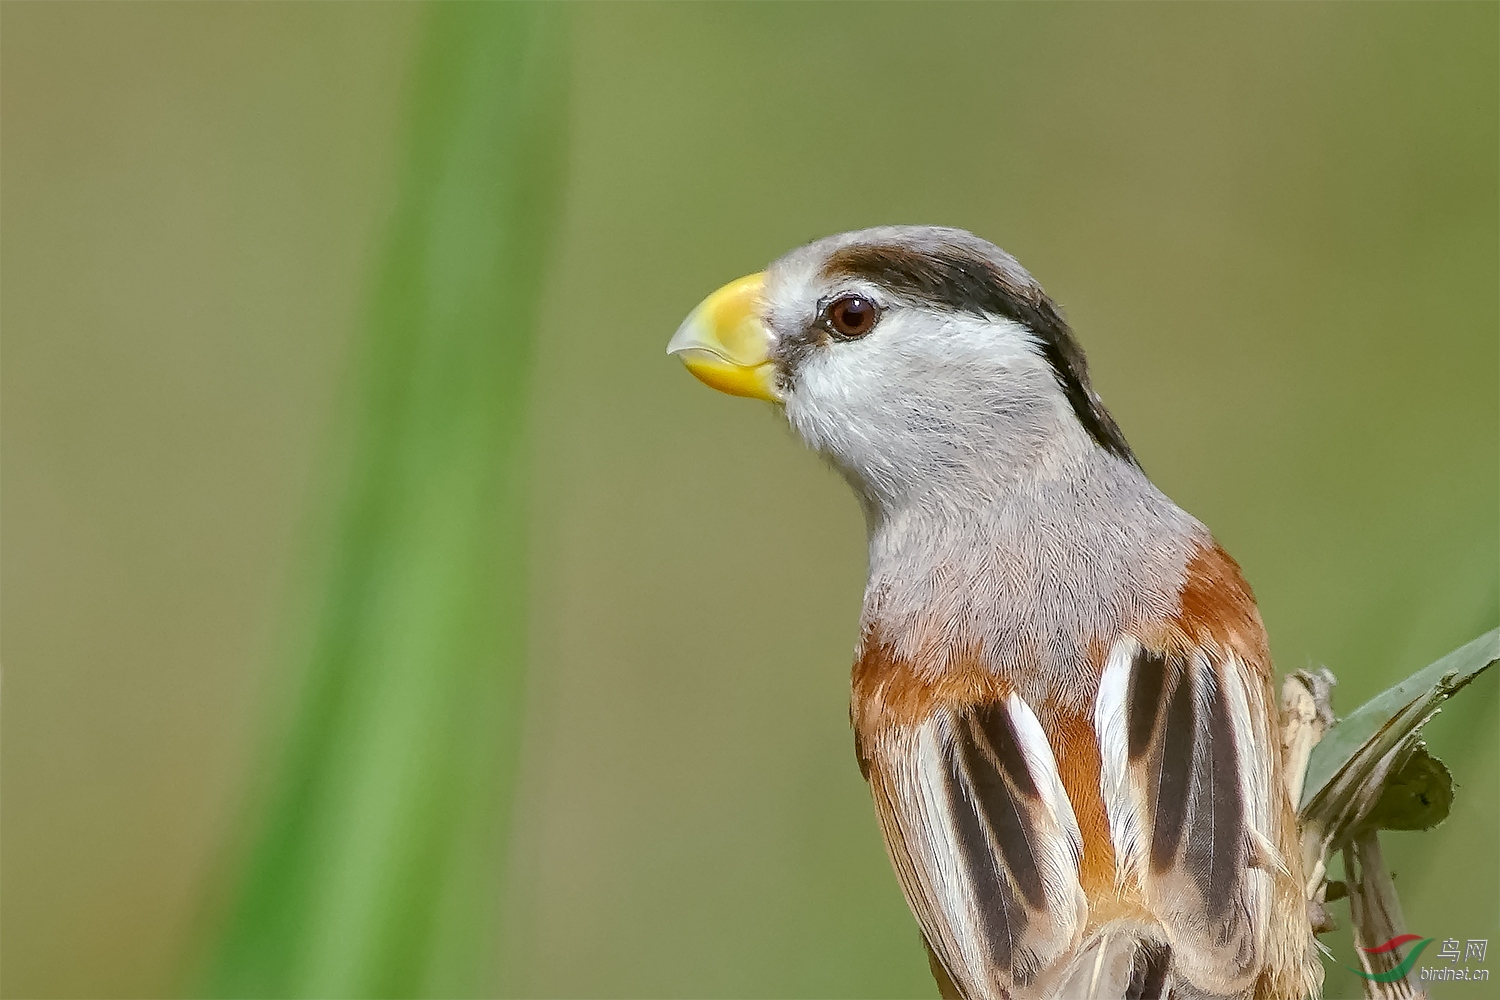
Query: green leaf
x=1377 y=745
x=1417 y=797
x=374 y=863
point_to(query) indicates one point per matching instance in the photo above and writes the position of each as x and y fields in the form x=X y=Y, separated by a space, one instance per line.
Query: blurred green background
x=1273 y=226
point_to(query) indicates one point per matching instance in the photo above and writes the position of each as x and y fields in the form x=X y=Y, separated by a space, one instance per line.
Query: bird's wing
x=984 y=841
x=1186 y=753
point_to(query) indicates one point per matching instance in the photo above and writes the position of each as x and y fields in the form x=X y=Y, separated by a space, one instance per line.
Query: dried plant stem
x=1306 y=714
x=1374 y=908
x=1375 y=912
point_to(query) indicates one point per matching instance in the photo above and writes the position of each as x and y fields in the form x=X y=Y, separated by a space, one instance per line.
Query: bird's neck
x=1026 y=571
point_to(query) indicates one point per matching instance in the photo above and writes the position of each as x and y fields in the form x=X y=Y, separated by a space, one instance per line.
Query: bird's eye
x=851 y=316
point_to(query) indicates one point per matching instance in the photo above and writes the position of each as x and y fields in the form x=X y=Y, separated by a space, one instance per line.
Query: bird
x=1061 y=694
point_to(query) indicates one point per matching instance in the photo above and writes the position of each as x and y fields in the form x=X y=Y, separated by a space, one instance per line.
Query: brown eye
x=852 y=316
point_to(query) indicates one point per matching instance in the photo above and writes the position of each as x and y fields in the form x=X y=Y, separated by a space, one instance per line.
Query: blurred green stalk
x=374 y=866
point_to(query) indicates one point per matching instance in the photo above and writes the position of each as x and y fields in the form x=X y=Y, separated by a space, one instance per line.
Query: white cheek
x=929 y=398
x=922 y=394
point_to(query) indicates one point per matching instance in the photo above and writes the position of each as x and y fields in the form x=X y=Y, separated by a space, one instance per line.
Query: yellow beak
x=726 y=344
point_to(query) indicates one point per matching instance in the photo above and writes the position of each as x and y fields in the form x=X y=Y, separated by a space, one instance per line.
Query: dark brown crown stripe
x=962 y=281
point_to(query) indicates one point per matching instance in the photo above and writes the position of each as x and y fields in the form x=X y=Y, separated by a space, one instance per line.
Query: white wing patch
x=1043 y=768
x=1126 y=824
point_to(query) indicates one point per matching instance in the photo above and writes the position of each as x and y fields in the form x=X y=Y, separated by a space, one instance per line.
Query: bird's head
x=924 y=362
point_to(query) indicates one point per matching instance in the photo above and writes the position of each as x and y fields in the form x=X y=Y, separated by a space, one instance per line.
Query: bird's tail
x=1123 y=960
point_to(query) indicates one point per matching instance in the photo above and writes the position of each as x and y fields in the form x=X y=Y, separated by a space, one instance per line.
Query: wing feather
x=1187 y=787
x=984 y=842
